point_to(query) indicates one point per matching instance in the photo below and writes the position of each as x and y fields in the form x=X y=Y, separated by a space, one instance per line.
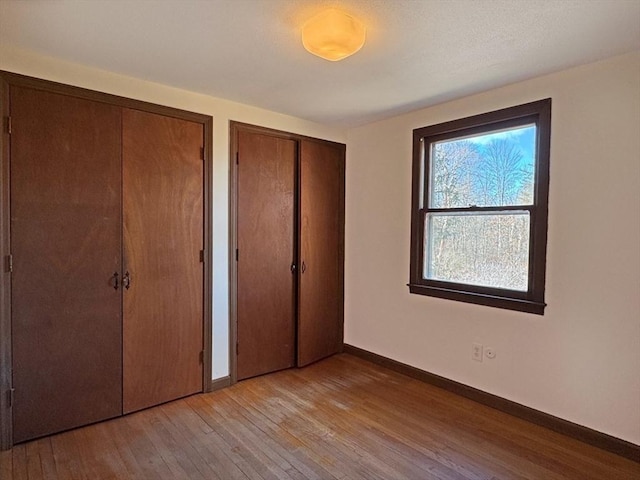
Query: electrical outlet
x=490 y=352
x=476 y=351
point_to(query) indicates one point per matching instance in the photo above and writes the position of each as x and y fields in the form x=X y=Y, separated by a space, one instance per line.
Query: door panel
x=163 y=234
x=265 y=294
x=66 y=246
x=320 y=319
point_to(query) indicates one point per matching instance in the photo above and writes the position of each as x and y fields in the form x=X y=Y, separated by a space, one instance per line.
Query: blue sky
x=524 y=136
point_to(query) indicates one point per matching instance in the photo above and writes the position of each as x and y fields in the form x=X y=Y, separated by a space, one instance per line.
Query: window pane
x=490 y=250
x=488 y=170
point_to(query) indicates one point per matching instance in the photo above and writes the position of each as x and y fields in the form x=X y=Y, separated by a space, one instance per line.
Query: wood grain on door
x=320 y=314
x=266 y=249
x=66 y=247
x=163 y=237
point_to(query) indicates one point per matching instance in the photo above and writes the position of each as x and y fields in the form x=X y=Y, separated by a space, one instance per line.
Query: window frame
x=532 y=300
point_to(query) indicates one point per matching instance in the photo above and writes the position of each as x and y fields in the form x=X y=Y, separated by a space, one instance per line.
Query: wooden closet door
x=163 y=184
x=265 y=293
x=321 y=305
x=66 y=247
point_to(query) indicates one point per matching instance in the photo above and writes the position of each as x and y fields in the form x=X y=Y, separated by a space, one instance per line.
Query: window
x=479 y=208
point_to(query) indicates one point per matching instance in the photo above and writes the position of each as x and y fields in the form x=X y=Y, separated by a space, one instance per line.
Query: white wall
x=28 y=63
x=581 y=360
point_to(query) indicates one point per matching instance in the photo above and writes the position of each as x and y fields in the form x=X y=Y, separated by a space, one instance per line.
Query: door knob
x=115 y=281
x=126 y=281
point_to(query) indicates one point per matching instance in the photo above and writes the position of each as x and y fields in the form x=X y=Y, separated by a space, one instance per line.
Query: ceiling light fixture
x=333 y=35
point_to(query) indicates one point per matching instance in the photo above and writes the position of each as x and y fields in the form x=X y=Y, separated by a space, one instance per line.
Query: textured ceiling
x=418 y=52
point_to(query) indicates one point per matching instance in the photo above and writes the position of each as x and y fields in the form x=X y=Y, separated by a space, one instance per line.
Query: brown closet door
x=66 y=247
x=320 y=320
x=266 y=295
x=163 y=234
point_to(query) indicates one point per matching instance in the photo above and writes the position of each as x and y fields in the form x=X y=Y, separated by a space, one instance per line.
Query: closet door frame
x=9 y=79
x=234 y=129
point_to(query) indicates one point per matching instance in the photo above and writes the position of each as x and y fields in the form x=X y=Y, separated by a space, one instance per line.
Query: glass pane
x=487 y=170
x=491 y=250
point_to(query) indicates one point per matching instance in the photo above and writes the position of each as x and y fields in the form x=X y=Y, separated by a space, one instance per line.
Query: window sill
x=507 y=303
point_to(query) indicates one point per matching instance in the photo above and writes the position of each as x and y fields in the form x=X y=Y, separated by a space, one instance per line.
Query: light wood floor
x=342 y=418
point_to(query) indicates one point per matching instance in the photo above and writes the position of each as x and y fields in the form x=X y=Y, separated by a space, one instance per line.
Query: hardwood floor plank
x=462 y=432
x=47 y=461
x=147 y=456
x=113 y=430
x=340 y=419
x=295 y=417
x=192 y=446
x=242 y=444
x=221 y=452
x=6 y=464
x=370 y=431
x=187 y=464
x=229 y=451
x=277 y=437
x=408 y=425
x=295 y=465
x=98 y=455
x=19 y=461
x=150 y=424
x=34 y=466
x=349 y=433
x=67 y=457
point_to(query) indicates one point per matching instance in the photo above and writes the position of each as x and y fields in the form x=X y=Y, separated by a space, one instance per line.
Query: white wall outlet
x=490 y=352
x=476 y=351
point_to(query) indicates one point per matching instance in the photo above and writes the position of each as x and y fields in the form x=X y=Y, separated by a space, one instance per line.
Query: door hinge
x=9 y=126
x=237 y=255
x=237 y=158
x=201 y=256
x=201 y=153
x=201 y=356
x=237 y=348
x=9 y=263
x=10 y=397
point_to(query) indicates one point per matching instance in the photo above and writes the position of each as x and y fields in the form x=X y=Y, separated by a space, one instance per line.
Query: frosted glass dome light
x=333 y=35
